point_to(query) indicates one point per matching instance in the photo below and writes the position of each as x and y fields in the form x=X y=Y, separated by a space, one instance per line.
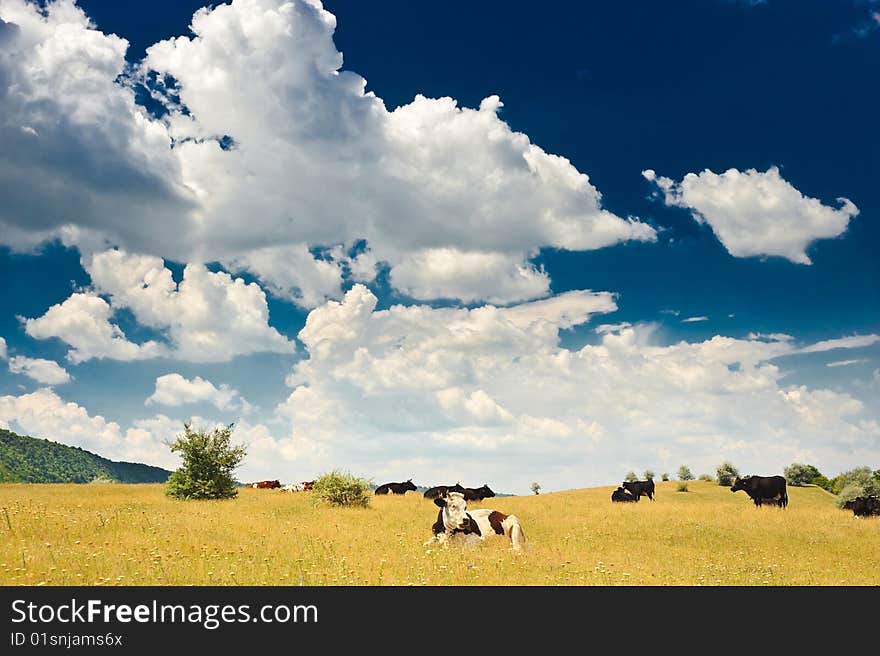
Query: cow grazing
x=442 y=491
x=454 y=519
x=396 y=488
x=763 y=489
x=294 y=487
x=638 y=488
x=622 y=495
x=863 y=506
x=477 y=493
x=307 y=485
x=266 y=485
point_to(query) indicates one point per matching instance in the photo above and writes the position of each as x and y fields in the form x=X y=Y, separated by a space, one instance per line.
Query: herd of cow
x=763 y=491
x=454 y=519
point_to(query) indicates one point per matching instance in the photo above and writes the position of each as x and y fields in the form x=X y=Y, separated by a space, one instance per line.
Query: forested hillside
x=30 y=460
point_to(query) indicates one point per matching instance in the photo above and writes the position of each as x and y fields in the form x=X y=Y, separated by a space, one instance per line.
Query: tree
x=536 y=488
x=858 y=482
x=726 y=473
x=631 y=476
x=664 y=476
x=208 y=462
x=798 y=474
x=684 y=473
x=649 y=475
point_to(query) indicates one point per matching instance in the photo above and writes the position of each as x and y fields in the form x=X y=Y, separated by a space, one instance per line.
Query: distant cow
x=307 y=485
x=477 y=493
x=294 y=487
x=622 y=495
x=763 y=489
x=396 y=488
x=455 y=519
x=442 y=491
x=863 y=506
x=266 y=485
x=638 y=488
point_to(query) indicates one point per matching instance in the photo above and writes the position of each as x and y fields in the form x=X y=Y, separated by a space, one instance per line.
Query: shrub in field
x=858 y=482
x=631 y=476
x=342 y=489
x=208 y=462
x=798 y=474
x=684 y=473
x=681 y=487
x=726 y=474
x=536 y=487
x=649 y=475
x=664 y=477
x=706 y=477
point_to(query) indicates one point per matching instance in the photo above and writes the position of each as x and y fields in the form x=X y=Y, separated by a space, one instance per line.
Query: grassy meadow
x=111 y=534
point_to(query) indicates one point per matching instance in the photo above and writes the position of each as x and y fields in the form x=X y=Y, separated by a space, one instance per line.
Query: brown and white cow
x=454 y=520
x=266 y=485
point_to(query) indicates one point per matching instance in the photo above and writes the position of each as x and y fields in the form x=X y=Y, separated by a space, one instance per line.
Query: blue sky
x=478 y=309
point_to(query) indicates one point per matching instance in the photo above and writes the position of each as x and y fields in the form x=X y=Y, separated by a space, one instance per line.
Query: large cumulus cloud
x=268 y=144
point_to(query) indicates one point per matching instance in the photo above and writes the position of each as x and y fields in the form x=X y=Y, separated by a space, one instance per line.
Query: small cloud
x=694 y=319
x=612 y=327
x=672 y=312
x=844 y=363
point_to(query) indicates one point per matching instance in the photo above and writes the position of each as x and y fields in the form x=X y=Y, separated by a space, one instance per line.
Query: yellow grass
x=134 y=535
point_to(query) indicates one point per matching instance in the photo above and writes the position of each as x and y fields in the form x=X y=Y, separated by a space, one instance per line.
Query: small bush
x=649 y=475
x=684 y=473
x=706 y=477
x=726 y=474
x=664 y=477
x=342 y=489
x=631 y=476
x=681 y=487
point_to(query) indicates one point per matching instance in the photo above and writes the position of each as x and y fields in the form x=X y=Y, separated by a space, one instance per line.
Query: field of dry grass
x=133 y=535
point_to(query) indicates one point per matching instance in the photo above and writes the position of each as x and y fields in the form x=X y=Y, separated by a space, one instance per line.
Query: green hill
x=30 y=460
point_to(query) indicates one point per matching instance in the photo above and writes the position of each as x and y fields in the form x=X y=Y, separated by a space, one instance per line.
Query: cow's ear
x=439 y=501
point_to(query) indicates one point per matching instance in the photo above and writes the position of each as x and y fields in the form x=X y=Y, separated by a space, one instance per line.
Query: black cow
x=442 y=491
x=763 y=489
x=638 y=488
x=621 y=495
x=477 y=493
x=396 y=488
x=863 y=506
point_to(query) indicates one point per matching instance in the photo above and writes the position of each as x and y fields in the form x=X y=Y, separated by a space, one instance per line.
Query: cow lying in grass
x=454 y=519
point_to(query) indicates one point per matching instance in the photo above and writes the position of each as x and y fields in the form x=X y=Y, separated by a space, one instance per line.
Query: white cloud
x=455 y=393
x=612 y=327
x=83 y=321
x=208 y=317
x=317 y=161
x=291 y=272
x=754 y=213
x=845 y=363
x=69 y=123
x=3 y=350
x=694 y=319
x=40 y=370
x=175 y=390
x=854 y=341
x=469 y=276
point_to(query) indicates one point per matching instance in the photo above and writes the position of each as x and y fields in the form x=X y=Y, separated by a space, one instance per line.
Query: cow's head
x=409 y=485
x=456 y=488
x=739 y=483
x=486 y=492
x=454 y=507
